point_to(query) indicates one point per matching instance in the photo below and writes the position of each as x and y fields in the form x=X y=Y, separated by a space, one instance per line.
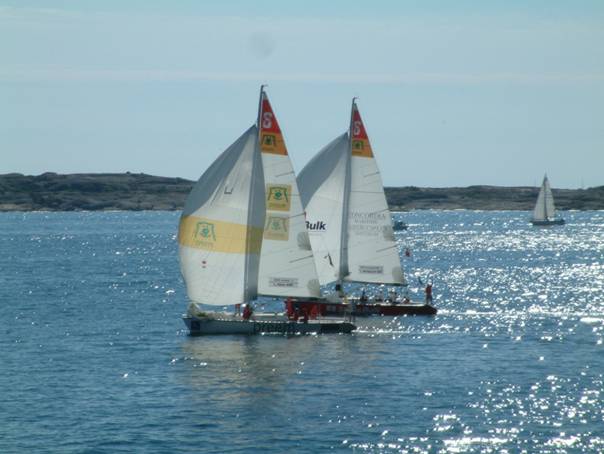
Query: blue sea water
x=94 y=356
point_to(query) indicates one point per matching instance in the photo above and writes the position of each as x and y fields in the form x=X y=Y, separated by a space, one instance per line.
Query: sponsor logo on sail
x=205 y=231
x=278 y=197
x=368 y=218
x=269 y=140
x=283 y=282
x=371 y=269
x=204 y=235
x=358 y=145
x=318 y=226
x=276 y=228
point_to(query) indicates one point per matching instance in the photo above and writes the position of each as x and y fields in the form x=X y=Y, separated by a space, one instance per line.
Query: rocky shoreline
x=130 y=191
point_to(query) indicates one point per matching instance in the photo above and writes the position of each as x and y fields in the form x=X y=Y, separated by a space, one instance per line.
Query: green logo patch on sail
x=204 y=231
x=219 y=236
x=278 y=197
x=276 y=228
x=269 y=140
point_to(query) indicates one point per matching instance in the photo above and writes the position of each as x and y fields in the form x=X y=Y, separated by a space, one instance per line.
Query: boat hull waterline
x=203 y=325
x=366 y=309
x=545 y=223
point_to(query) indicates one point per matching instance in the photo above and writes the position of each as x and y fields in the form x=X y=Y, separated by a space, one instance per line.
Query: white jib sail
x=544 y=208
x=372 y=250
x=287 y=266
x=220 y=231
x=322 y=188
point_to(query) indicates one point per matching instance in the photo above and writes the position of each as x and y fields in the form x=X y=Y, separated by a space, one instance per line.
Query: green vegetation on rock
x=129 y=191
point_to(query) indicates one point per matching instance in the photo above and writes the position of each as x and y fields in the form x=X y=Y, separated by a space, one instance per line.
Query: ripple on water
x=95 y=356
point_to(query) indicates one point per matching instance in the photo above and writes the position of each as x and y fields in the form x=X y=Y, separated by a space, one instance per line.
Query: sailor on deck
x=247 y=311
x=429 y=293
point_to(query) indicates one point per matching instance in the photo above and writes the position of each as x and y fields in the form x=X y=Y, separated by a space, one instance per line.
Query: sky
x=452 y=93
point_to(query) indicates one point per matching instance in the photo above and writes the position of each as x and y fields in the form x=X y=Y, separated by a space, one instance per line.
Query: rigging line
x=386 y=248
x=284 y=174
x=375 y=212
x=302 y=258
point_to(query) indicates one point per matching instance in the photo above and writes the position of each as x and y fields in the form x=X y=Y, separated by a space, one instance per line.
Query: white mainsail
x=242 y=231
x=544 y=208
x=322 y=185
x=349 y=222
x=220 y=231
x=287 y=267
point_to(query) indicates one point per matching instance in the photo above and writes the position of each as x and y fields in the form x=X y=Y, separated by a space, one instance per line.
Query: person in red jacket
x=247 y=312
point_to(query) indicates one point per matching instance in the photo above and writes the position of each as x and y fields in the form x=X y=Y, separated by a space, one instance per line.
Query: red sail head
x=268 y=121
x=359 y=140
x=271 y=139
x=357 y=127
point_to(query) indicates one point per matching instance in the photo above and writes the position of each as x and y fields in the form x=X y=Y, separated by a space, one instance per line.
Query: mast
x=251 y=291
x=260 y=108
x=543 y=188
x=343 y=270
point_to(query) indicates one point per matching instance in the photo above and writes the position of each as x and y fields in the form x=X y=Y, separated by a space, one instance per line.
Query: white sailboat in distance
x=242 y=234
x=544 y=213
x=350 y=225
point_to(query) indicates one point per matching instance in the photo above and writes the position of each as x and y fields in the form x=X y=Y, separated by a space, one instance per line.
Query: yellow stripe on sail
x=218 y=236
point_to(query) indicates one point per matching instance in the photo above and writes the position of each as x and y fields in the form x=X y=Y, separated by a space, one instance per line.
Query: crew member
x=289 y=305
x=247 y=312
x=363 y=298
x=429 y=293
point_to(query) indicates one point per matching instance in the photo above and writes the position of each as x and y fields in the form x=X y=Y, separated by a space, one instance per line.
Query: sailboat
x=350 y=226
x=242 y=234
x=545 y=211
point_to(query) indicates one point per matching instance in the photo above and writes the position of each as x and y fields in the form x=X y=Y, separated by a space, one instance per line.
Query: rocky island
x=137 y=191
